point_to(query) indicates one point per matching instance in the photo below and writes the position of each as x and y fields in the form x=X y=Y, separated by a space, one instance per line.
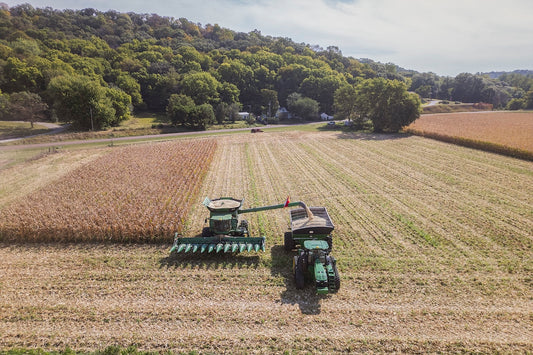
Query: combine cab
x=226 y=231
x=314 y=264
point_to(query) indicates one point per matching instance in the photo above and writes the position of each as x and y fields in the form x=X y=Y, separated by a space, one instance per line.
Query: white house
x=244 y=115
x=282 y=113
x=325 y=117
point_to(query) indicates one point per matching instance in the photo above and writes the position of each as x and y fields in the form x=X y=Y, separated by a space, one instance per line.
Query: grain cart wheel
x=288 y=242
x=299 y=273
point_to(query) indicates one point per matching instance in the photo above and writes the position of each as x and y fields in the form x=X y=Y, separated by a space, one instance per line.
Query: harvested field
x=433 y=241
x=513 y=130
x=138 y=193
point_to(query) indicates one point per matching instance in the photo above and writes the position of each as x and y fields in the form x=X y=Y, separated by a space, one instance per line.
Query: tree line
x=93 y=68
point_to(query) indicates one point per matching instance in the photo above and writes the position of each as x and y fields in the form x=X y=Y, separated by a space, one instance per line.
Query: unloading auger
x=226 y=231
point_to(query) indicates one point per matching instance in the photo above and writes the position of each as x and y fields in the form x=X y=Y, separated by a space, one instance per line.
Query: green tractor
x=226 y=232
x=314 y=264
x=310 y=234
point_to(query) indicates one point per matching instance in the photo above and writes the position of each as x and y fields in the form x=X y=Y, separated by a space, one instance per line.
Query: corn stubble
x=133 y=194
x=433 y=242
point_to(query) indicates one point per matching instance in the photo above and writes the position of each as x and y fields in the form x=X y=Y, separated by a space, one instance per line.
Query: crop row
x=499 y=132
x=136 y=193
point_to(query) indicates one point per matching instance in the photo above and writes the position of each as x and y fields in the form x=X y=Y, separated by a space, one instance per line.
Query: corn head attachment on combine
x=226 y=232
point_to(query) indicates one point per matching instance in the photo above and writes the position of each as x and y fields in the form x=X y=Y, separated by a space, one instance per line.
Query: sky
x=446 y=37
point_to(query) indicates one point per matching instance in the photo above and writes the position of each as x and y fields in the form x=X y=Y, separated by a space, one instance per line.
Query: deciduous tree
x=387 y=104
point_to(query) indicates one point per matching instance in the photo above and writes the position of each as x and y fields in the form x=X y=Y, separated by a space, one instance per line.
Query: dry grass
x=9 y=130
x=507 y=129
x=26 y=172
x=130 y=194
x=433 y=242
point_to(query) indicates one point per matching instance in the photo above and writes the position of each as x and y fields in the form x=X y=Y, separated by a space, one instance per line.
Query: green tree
x=18 y=76
x=130 y=86
x=179 y=108
x=4 y=106
x=321 y=89
x=182 y=110
x=303 y=107
x=87 y=104
x=202 y=117
x=201 y=87
x=387 y=104
x=345 y=99
x=516 y=104
x=26 y=106
x=229 y=93
x=121 y=104
x=269 y=102
x=529 y=100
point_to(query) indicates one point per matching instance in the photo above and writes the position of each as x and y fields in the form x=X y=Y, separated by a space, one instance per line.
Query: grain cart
x=313 y=263
x=308 y=223
x=226 y=231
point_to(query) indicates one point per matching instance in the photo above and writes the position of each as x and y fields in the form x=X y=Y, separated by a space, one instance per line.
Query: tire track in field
x=316 y=178
x=502 y=201
x=387 y=231
x=401 y=200
x=486 y=210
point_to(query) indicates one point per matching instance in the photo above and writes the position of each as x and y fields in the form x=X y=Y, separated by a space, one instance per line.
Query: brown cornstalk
x=133 y=194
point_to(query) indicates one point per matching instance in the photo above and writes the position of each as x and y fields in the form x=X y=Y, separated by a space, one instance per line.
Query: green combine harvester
x=310 y=233
x=226 y=231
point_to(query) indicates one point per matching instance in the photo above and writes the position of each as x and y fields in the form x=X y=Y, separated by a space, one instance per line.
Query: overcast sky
x=445 y=37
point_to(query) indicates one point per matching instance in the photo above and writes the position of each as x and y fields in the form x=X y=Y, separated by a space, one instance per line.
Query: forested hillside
x=92 y=68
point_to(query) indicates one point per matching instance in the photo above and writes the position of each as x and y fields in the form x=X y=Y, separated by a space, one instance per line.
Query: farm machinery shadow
x=307 y=299
x=210 y=261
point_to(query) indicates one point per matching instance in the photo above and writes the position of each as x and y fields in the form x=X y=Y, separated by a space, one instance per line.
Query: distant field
x=513 y=130
x=433 y=243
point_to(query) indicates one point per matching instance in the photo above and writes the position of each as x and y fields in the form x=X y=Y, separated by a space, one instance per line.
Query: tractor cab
x=313 y=263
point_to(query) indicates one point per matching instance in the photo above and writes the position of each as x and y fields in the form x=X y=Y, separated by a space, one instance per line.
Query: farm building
x=325 y=117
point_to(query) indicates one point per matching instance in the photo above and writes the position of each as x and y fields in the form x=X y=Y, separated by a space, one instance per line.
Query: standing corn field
x=138 y=193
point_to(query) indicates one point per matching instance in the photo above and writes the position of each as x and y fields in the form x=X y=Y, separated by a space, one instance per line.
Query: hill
x=497 y=74
x=110 y=62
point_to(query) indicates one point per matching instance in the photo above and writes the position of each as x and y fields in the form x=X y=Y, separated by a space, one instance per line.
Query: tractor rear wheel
x=288 y=242
x=299 y=279
x=337 y=279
